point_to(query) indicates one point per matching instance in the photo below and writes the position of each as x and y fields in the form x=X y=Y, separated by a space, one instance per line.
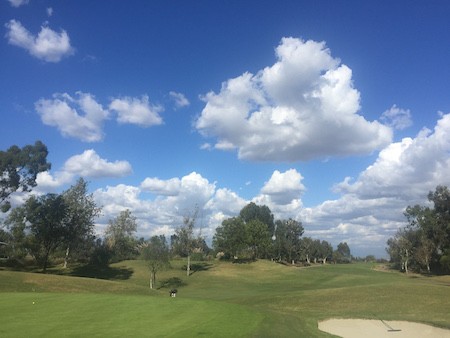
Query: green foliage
x=261 y=213
x=156 y=254
x=287 y=240
x=46 y=215
x=81 y=211
x=230 y=237
x=119 y=236
x=342 y=253
x=423 y=243
x=19 y=168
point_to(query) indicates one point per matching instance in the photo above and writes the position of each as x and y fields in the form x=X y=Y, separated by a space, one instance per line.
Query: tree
x=256 y=212
x=257 y=237
x=45 y=215
x=16 y=225
x=156 y=253
x=400 y=248
x=79 y=222
x=230 y=237
x=183 y=240
x=287 y=239
x=119 y=236
x=19 y=168
x=306 y=248
x=325 y=250
x=343 y=251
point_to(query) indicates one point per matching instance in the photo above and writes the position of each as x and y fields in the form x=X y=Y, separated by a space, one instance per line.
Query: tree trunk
x=152 y=279
x=406 y=260
x=66 y=258
x=307 y=259
x=188 y=269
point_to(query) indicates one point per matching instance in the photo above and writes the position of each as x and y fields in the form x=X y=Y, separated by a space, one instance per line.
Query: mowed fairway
x=259 y=299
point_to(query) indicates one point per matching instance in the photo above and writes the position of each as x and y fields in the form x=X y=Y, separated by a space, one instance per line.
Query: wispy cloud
x=137 y=111
x=179 y=99
x=18 y=3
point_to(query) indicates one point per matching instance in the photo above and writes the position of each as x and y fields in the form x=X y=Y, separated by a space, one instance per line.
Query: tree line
x=62 y=226
x=424 y=243
x=254 y=234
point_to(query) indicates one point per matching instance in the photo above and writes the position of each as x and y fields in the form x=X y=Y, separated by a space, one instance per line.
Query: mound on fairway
x=356 y=328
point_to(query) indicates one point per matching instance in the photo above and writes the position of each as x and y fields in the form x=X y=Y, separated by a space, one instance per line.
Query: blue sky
x=330 y=112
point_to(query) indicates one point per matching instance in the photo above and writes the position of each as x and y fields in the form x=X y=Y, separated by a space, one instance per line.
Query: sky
x=333 y=113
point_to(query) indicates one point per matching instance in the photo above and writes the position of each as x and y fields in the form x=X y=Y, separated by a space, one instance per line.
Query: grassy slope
x=220 y=299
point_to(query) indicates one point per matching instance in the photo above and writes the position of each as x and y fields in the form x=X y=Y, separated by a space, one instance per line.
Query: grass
x=220 y=299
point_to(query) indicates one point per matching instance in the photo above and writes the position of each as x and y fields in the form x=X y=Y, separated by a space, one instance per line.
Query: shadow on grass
x=173 y=282
x=243 y=260
x=104 y=272
x=196 y=267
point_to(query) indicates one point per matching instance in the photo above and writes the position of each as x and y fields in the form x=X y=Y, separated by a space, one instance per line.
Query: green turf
x=219 y=299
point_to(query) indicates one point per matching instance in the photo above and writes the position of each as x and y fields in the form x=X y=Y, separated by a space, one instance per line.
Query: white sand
x=357 y=328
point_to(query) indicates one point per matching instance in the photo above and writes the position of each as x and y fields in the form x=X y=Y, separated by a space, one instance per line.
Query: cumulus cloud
x=49 y=11
x=48 y=45
x=179 y=99
x=80 y=117
x=397 y=118
x=136 y=111
x=374 y=202
x=176 y=198
x=18 y=3
x=284 y=187
x=409 y=167
x=169 y=187
x=88 y=164
x=302 y=107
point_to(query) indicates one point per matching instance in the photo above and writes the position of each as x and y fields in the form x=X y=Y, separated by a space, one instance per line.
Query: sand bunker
x=357 y=328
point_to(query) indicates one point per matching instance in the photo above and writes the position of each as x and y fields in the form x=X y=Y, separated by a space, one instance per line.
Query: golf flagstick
x=390 y=329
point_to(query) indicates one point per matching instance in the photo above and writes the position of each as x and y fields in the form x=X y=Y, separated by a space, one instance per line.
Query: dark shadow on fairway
x=173 y=282
x=104 y=272
x=201 y=266
x=243 y=260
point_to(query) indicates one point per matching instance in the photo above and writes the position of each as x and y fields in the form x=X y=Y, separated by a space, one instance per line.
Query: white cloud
x=179 y=99
x=62 y=111
x=397 y=118
x=18 y=3
x=90 y=164
x=49 y=11
x=284 y=187
x=169 y=187
x=176 y=198
x=302 y=107
x=83 y=117
x=48 y=45
x=226 y=202
x=136 y=111
x=402 y=175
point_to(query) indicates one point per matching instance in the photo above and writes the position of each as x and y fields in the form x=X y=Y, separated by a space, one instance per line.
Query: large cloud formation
x=302 y=107
x=371 y=206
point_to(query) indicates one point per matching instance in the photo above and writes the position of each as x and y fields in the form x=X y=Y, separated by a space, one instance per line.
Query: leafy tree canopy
x=19 y=168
